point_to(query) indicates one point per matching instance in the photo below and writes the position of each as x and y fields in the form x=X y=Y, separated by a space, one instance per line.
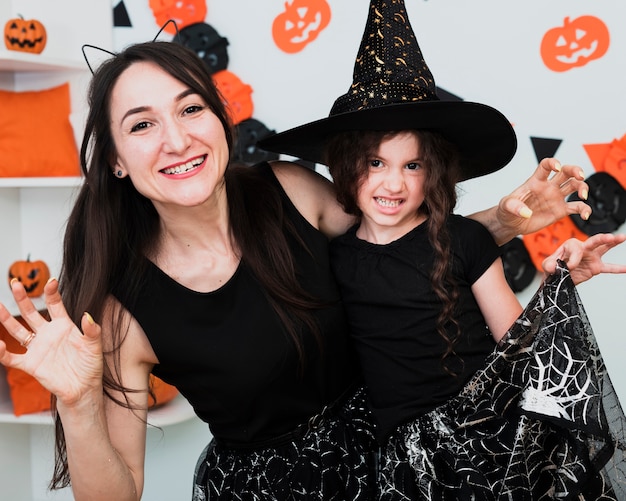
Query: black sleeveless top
x=228 y=353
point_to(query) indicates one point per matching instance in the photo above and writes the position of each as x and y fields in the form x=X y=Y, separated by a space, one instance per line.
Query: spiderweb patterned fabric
x=540 y=421
x=334 y=460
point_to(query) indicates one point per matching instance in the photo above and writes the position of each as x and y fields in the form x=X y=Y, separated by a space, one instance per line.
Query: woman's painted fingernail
x=89 y=318
x=525 y=212
x=13 y=280
x=585 y=194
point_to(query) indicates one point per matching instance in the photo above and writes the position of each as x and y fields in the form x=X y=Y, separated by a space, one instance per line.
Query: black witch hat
x=393 y=89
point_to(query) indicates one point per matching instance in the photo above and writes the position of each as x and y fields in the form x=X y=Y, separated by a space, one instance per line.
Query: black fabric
x=228 y=354
x=334 y=460
x=540 y=421
x=393 y=311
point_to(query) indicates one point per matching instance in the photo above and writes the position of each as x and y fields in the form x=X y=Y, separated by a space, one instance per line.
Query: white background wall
x=480 y=50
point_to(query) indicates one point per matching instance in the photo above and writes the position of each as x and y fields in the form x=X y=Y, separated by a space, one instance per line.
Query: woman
x=215 y=278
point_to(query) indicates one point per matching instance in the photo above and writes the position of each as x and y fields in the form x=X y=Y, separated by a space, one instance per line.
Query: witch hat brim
x=393 y=90
x=484 y=137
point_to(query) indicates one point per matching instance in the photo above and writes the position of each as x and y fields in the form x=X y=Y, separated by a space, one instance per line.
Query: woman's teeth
x=179 y=169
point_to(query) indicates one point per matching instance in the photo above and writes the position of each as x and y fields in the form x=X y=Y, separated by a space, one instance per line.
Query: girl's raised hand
x=584 y=259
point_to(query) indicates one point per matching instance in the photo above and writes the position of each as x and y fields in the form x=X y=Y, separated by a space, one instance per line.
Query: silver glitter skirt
x=540 y=421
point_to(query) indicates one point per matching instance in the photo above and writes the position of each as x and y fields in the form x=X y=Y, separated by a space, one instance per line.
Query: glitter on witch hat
x=389 y=67
x=393 y=89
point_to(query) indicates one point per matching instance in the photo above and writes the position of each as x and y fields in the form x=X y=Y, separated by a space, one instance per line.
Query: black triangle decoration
x=544 y=147
x=120 y=16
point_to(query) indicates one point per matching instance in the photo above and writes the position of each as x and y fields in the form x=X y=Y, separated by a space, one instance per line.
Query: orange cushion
x=28 y=396
x=36 y=136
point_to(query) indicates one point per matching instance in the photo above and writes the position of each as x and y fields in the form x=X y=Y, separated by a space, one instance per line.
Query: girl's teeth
x=387 y=203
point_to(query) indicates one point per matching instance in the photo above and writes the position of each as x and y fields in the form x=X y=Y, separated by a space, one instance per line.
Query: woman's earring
x=119 y=173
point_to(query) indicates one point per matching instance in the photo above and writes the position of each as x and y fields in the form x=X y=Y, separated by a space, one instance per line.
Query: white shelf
x=175 y=411
x=11 y=60
x=41 y=182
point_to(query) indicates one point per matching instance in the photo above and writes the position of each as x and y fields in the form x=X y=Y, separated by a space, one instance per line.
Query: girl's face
x=392 y=192
x=171 y=145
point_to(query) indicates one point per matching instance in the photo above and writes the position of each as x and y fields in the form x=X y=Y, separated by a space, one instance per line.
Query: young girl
x=457 y=416
x=426 y=298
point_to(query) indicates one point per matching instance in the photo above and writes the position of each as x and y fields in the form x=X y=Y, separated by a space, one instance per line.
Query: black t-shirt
x=392 y=311
x=228 y=353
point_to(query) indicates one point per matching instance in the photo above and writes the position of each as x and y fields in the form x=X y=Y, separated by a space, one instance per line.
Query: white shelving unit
x=33 y=213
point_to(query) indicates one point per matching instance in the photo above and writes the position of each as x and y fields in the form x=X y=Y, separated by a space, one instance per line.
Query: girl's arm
x=497 y=302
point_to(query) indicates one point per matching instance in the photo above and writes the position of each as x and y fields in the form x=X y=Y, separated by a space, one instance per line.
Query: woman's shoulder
x=314 y=197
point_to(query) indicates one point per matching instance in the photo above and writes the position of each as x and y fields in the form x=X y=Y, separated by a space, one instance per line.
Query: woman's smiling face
x=168 y=141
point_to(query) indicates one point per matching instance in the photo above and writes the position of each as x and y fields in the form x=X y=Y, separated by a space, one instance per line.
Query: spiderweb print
x=540 y=421
x=333 y=461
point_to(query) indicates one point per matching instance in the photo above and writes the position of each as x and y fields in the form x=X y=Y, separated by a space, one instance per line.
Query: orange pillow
x=36 y=136
x=28 y=396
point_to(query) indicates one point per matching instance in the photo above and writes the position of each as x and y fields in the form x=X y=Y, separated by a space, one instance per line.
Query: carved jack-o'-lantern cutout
x=299 y=24
x=183 y=12
x=544 y=242
x=25 y=35
x=575 y=43
x=32 y=274
x=237 y=95
x=205 y=41
x=519 y=269
x=248 y=133
x=607 y=200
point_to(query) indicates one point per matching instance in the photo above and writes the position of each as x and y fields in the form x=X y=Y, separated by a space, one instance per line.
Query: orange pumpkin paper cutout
x=299 y=24
x=544 y=242
x=183 y=12
x=609 y=158
x=575 y=43
x=25 y=35
x=236 y=94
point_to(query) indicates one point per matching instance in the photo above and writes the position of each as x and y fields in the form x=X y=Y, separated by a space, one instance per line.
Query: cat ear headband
x=100 y=49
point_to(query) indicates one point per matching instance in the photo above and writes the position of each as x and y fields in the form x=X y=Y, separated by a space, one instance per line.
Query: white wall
x=481 y=50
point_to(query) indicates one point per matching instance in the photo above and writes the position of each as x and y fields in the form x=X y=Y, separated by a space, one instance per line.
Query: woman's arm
x=497 y=302
x=105 y=442
x=537 y=203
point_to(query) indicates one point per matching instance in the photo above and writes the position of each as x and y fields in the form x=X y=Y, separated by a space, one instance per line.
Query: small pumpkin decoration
x=183 y=12
x=575 y=43
x=33 y=274
x=299 y=24
x=25 y=35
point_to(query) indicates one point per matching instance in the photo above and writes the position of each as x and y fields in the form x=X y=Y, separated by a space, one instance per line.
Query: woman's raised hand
x=540 y=201
x=65 y=360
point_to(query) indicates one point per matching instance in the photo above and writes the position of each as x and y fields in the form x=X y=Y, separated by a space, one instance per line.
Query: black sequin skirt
x=540 y=421
x=333 y=459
